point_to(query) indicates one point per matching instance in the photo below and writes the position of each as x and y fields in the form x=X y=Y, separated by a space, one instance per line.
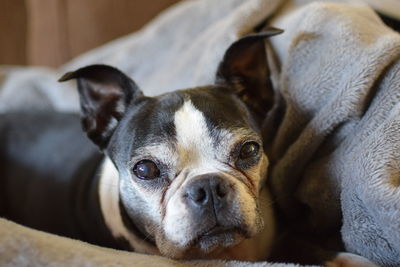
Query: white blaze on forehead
x=194 y=142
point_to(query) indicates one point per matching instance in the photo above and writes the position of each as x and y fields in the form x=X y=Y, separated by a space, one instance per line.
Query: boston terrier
x=182 y=174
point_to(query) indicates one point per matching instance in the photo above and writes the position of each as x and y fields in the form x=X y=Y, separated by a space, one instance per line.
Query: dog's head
x=191 y=162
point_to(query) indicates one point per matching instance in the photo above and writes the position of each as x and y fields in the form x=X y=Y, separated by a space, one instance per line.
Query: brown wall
x=13 y=30
x=50 y=32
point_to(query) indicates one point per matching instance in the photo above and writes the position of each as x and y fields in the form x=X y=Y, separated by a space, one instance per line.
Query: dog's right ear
x=105 y=92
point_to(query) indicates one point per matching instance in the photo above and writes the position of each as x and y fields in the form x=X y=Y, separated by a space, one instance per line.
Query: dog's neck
x=113 y=213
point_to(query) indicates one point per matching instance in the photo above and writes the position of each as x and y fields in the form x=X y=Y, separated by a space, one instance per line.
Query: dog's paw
x=349 y=260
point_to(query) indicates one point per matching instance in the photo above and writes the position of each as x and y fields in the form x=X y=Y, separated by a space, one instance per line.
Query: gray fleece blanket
x=332 y=135
x=336 y=149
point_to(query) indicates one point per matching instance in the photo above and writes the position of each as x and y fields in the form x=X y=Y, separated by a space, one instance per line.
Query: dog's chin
x=218 y=238
x=206 y=245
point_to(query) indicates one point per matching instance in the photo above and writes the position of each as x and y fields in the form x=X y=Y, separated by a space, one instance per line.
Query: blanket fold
x=21 y=246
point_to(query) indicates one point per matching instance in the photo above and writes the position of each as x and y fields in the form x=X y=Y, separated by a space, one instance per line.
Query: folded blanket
x=21 y=246
x=335 y=152
x=332 y=135
x=27 y=88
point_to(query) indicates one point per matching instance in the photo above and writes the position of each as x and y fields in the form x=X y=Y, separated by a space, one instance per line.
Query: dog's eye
x=146 y=169
x=249 y=150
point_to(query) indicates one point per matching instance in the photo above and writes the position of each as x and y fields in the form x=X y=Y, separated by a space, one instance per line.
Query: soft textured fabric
x=332 y=136
x=336 y=149
x=21 y=246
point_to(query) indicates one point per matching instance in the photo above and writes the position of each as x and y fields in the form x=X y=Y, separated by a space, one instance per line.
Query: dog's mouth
x=219 y=236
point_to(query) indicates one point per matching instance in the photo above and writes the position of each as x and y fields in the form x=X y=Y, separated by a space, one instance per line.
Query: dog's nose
x=208 y=191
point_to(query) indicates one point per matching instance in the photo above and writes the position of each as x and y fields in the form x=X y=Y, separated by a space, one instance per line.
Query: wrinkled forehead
x=198 y=117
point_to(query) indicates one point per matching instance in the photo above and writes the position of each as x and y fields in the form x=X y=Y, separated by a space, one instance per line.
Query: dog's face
x=191 y=162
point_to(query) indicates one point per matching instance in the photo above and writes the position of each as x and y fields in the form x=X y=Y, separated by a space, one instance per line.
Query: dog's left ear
x=105 y=92
x=244 y=69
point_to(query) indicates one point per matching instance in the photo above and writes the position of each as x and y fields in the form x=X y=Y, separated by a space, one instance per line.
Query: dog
x=181 y=175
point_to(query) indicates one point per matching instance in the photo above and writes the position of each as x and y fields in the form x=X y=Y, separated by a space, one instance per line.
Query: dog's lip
x=220 y=230
x=220 y=236
x=237 y=232
x=216 y=230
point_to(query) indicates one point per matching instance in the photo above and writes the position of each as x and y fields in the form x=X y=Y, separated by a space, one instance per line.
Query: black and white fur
x=54 y=179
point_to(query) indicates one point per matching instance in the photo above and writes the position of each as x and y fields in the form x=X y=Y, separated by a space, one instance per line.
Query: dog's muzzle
x=215 y=217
